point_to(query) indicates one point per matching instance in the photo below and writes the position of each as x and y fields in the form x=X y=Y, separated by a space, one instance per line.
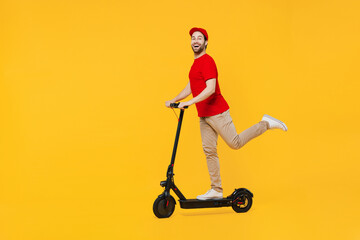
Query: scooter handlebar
x=175 y=105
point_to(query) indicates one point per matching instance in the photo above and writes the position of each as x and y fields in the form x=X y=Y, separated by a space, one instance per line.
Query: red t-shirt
x=203 y=69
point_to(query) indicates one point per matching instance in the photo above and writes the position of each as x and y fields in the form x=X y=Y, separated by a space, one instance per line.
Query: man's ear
x=206 y=43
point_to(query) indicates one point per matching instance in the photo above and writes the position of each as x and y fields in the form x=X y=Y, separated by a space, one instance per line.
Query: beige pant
x=222 y=124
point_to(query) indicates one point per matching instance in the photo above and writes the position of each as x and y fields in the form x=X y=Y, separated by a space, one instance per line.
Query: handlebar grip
x=175 y=105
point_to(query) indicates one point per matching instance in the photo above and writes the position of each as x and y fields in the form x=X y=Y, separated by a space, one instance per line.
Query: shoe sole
x=277 y=120
x=209 y=198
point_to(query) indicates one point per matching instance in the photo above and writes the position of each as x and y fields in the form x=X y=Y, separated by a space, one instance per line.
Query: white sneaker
x=274 y=123
x=211 y=194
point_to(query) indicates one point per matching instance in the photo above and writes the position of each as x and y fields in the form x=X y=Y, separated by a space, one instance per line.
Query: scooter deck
x=212 y=203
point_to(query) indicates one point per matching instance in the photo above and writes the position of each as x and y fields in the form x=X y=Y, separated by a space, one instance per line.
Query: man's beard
x=199 y=50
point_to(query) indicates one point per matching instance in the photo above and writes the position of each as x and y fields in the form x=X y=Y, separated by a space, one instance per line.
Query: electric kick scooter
x=240 y=200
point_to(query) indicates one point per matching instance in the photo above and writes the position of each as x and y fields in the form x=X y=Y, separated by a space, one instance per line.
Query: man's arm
x=183 y=94
x=207 y=92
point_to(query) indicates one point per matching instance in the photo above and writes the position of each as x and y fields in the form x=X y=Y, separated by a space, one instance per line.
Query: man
x=213 y=111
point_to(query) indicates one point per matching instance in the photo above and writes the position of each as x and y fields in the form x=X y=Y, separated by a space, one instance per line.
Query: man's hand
x=167 y=103
x=184 y=104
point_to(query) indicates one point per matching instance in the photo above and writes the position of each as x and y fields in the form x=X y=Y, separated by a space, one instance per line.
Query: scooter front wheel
x=164 y=208
x=242 y=202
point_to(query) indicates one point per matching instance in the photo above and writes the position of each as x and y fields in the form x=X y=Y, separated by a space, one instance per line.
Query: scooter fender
x=165 y=195
x=238 y=190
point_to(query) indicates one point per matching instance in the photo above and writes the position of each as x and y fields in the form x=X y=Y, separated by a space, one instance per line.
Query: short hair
x=205 y=40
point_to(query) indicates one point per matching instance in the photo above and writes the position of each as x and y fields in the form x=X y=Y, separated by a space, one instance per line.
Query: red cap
x=203 y=31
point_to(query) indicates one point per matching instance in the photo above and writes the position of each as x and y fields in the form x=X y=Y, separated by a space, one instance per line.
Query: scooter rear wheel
x=242 y=202
x=164 y=208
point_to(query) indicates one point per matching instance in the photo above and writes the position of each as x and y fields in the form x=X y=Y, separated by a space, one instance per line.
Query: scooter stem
x=177 y=138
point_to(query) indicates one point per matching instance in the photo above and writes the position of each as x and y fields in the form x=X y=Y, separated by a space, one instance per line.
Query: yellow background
x=86 y=139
